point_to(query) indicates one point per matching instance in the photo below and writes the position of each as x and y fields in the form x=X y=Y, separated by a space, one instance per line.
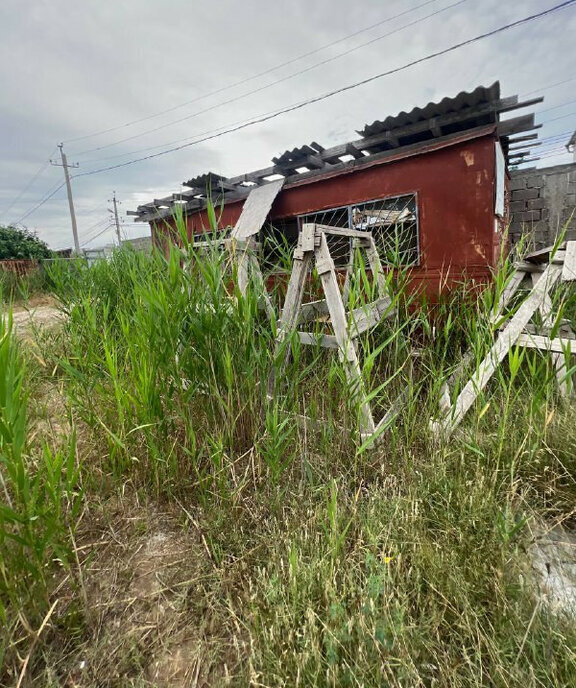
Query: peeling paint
x=468 y=157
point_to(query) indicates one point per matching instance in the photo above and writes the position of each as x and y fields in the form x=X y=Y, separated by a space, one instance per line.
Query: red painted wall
x=455 y=187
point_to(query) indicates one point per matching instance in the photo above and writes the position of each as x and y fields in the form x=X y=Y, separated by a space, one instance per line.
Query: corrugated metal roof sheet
x=465 y=99
x=298 y=153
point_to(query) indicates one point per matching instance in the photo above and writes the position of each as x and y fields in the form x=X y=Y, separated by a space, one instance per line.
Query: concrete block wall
x=542 y=201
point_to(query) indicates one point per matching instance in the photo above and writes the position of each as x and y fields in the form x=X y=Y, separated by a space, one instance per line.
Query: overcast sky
x=70 y=69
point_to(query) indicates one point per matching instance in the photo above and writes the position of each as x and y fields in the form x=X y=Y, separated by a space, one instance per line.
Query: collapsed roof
x=406 y=131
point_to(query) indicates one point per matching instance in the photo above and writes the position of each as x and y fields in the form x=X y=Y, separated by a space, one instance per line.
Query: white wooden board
x=569 y=269
x=256 y=208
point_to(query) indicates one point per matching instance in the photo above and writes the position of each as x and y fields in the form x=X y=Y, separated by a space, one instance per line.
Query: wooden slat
x=343 y=231
x=543 y=255
x=340 y=324
x=255 y=210
x=547 y=314
x=396 y=407
x=522 y=104
x=328 y=341
x=556 y=345
x=520 y=139
x=569 y=269
x=525 y=146
x=366 y=317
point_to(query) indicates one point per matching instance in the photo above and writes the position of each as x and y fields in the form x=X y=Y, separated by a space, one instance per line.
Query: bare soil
x=39 y=313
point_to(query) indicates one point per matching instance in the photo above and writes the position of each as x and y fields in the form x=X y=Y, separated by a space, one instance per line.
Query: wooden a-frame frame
x=313 y=250
x=545 y=269
x=242 y=246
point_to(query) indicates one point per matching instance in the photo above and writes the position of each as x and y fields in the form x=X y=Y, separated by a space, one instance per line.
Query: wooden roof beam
x=525 y=146
x=519 y=139
x=516 y=125
x=522 y=104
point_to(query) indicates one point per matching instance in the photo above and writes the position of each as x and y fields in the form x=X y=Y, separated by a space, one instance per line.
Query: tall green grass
x=325 y=561
x=39 y=503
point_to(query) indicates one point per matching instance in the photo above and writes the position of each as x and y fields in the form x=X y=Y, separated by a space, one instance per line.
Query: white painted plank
x=557 y=345
x=255 y=210
x=569 y=270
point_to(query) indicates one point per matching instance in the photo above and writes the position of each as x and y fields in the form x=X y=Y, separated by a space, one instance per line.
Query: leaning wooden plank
x=505 y=340
x=290 y=312
x=556 y=345
x=569 y=270
x=327 y=272
x=366 y=317
x=542 y=255
x=256 y=208
x=512 y=286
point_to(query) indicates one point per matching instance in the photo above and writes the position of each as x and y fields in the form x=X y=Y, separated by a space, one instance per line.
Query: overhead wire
x=218 y=129
x=271 y=85
x=546 y=88
x=41 y=169
x=85 y=243
x=40 y=203
x=555 y=119
x=254 y=76
x=329 y=94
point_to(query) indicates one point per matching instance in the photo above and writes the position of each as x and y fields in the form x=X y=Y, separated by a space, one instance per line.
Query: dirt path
x=39 y=313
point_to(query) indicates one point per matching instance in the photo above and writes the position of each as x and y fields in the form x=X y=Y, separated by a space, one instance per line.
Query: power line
x=556 y=107
x=274 y=83
x=109 y=226
x=85 y=238
x=254 y=76
x=41 y=202
x=180 y=140
x=97 y=224
x=41 y=169
x=546 y=88
x=343 y=89
x=555 y=119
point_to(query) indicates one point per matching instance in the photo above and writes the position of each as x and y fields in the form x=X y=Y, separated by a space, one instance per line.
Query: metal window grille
x=393 y=222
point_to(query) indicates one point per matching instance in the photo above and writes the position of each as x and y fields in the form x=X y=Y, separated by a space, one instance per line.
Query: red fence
x=19 y=267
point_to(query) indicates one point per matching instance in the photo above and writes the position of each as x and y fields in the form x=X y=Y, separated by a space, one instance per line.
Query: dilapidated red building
x=432 y=184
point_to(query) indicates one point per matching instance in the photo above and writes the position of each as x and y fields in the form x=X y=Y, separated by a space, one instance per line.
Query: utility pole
x=115 y=211
x=65 y=165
